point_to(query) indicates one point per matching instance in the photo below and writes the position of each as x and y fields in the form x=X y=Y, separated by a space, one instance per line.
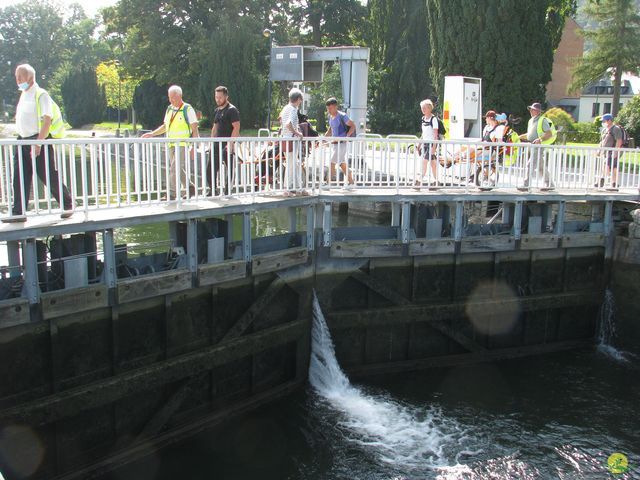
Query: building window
x=595 y=110
x=607 y=108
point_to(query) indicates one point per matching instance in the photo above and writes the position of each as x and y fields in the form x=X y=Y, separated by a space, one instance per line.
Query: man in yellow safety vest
x=37 y=118
x=180 y=121
x=540 y=130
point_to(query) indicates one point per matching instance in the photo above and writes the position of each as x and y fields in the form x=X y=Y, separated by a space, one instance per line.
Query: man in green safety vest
x=540 y=130
x=180 y=121
x=37 y=118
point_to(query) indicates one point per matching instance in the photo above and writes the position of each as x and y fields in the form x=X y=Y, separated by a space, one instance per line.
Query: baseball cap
x=490 y=113
x=535 y=106
x=606 y=117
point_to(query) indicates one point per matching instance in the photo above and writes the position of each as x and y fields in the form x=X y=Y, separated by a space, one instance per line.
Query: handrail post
x=31 y=284
x=192 y=249
x=406 y=222
x=110 y=272
x=326 y=225
x=311 y=217
x=517 y=221
x=559 y=226
x=246 y=236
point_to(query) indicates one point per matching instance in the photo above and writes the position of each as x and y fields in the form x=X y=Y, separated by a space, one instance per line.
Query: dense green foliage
x=50 y=39
x=84 y=100
x=400 y=55
x=200 y=44
x=507 y=43
x=238 y=72
x=616 y=43
x=629 y=118
x=150 y=101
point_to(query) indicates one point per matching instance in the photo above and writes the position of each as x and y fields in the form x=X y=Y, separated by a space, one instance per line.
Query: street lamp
x=269 y=34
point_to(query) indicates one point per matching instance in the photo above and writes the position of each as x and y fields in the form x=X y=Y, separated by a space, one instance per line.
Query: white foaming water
x=607 y=329
x=400 y=435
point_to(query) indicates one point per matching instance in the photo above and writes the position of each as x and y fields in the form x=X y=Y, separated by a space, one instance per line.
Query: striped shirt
x=289 y=114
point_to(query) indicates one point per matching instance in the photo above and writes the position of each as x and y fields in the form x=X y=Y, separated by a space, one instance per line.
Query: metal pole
x=269 y=86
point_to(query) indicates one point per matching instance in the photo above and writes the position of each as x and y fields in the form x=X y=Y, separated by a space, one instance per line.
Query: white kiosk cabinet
x=462 y=109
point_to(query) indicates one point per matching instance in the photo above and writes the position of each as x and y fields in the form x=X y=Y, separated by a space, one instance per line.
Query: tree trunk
x=617 y=82
x=315 y=20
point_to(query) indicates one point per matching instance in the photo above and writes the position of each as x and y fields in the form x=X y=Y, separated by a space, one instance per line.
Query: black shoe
x=66 y=214
x=599 y=184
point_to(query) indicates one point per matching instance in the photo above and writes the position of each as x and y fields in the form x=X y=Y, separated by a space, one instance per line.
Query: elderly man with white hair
x=37 y=117
x=291 y=130
x=180 y=121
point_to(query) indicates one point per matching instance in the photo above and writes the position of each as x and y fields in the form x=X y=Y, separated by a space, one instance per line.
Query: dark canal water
x=554 y=416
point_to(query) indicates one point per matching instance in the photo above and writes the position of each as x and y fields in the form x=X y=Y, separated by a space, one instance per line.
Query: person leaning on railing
x=180 y=121
x=37 y=117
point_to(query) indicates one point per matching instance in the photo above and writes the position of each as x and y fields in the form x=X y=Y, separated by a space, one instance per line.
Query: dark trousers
x=41 y=170
x=220 y=156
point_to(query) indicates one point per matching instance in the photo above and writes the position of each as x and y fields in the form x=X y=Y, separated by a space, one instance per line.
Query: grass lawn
x=114 y=126
x=627 y=161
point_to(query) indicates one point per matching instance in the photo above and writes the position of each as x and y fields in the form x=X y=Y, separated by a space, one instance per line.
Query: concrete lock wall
x=625 y=286
x=102 y=383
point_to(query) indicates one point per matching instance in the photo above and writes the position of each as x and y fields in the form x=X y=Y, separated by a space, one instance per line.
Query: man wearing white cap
x=610 y=137
x=540 y=130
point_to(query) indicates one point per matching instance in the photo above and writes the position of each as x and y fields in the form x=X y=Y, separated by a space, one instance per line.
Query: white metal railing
x=122 y=172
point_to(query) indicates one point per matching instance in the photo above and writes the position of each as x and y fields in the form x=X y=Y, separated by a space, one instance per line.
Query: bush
x=150 y=103
x=583 y=132
x=561 y=119
x=84 y=102
x=629 y=118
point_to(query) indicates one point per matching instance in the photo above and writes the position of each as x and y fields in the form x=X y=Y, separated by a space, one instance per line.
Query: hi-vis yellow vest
x=56 y=130
x=176 y=124
x=552 y=129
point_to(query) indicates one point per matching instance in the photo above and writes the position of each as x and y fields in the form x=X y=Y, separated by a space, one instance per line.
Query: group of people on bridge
x=39 y=118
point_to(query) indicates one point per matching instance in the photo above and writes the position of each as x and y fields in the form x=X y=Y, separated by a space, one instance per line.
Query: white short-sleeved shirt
x=498 y=133
x=289 y=114
x=26 y=112
x=429 y=126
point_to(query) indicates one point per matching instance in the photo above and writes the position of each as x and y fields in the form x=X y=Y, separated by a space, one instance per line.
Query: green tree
x=400 y=58
x=507 y=43
x=616 y=43
x=30 y=32
x=53 y=40
x=118 y=87
x=329 y=22
x=150 y=103
x=236 y=69
x=84 y=100
x=629 y=118
x=331 y=86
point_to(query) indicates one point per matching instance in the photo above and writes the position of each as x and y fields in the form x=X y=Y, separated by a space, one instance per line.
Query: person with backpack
x=611 y=136
x=340 y=126
x=432 y=129
x=37 y=117
x=180 y=121
x=540 y=131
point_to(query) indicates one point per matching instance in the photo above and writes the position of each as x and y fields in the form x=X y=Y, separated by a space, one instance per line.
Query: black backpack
x=442 y=131
x=626 y=140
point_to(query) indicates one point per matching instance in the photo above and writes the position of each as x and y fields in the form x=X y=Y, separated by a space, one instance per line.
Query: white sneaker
x=349 y=186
